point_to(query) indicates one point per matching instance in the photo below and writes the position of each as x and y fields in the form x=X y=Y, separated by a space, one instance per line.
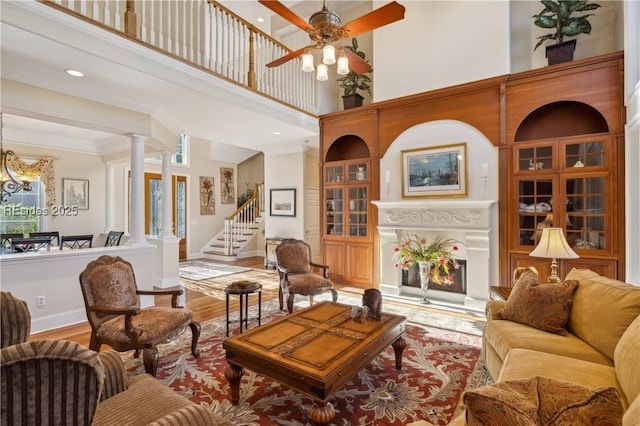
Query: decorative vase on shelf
x=425 y=277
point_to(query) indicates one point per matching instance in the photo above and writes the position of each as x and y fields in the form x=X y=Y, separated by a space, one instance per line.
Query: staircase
x=239 y=229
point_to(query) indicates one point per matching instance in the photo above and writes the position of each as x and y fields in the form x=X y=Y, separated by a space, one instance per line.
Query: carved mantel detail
x=431 y=218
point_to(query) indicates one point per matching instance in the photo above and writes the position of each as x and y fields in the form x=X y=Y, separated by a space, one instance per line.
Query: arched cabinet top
x=347 y=147
x=559 y=119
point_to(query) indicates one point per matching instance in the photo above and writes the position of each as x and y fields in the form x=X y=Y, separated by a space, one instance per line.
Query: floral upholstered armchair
x=112 y=301
x=295 y=269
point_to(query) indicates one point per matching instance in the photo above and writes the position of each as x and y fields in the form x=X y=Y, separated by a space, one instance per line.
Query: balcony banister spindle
x=207 y=35
x=130 y=20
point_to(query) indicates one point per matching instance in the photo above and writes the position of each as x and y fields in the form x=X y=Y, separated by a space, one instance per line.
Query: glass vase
x=425 y=277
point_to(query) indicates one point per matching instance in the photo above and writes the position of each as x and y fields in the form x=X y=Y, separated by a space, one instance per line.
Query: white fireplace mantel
x=435 y=214
x=472 y=222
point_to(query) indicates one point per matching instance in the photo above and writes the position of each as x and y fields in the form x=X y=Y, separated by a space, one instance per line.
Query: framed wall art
x=283 y=202
x=75 y=193
x=227 y=193
x=207 y=196
x=439 y=171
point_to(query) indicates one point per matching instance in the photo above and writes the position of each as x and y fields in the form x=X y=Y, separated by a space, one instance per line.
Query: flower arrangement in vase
x=433 y=258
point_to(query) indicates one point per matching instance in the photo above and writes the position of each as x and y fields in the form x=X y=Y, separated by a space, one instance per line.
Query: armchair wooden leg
x=280 y=297
x=195 y=335
x=290 y=302
x=334 y=294
x=150 y=358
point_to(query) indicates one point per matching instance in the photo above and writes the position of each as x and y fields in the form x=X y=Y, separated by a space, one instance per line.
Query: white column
x=167 y=196
x=110 y=213
x=137 y=191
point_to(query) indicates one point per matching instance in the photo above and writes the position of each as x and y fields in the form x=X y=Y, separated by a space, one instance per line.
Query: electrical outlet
x=42 y=301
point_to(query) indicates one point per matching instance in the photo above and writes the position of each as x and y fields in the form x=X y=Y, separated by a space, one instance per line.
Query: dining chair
x=5 y=241
x=295 y=269
x=113 y=238
x=53 y=235
x=76 y=241
x=30 y=244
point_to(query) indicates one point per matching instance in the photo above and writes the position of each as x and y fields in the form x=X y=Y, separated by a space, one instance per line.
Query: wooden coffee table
x=314 y=350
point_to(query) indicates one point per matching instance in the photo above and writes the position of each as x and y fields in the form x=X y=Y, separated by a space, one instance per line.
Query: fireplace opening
x=455 y=282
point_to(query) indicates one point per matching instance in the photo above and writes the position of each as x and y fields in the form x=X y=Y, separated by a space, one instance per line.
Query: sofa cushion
x=504 y=336
x=602 y=309
x=542 y=400
x=627 y=361
x=523 y=363
x=543 y=306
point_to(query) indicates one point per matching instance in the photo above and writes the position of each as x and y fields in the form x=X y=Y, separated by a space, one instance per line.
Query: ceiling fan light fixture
x=343 y=65
x=307 y=62
x=322 y=74
x=329 y=55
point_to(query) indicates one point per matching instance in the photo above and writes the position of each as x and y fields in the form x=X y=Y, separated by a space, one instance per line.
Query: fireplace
x=455 y=282
x=470 y=222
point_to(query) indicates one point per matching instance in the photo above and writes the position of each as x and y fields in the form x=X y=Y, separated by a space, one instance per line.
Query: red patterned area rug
x=438 y=366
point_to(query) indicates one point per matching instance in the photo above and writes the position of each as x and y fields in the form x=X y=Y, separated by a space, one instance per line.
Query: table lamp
x=553 y=245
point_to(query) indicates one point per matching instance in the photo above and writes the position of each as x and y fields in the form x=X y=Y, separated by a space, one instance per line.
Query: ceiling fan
x=325 y=28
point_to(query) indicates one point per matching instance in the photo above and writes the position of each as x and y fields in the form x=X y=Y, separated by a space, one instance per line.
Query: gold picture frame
x=438 y=171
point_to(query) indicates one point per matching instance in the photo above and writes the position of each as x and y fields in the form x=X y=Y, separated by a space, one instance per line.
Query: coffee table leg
x=234 y=373
x=398 y=347
x=322 y=415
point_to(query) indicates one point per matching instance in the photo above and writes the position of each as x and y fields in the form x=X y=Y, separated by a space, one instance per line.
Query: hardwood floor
x=205 y=308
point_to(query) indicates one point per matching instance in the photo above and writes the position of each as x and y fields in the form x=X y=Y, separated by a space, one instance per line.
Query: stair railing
x=207 y=36
x=241 y=222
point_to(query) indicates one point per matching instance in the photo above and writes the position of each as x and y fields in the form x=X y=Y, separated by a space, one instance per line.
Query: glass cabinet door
x=358 y=211
x=335 y=211
x=535 y=158
x=535 y=209
x=357 y=171
x=334 y=174
x=586 y=212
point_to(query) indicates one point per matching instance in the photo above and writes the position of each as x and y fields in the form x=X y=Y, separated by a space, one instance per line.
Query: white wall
x=68 y=164
x=440 y=44
x=284 y=171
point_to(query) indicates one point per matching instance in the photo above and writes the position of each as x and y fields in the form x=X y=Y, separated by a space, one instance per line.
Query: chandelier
x=329 y=54
x=11 y=181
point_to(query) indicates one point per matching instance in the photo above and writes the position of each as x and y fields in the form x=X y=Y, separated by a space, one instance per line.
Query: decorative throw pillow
x=542 y=401
x=544 y=306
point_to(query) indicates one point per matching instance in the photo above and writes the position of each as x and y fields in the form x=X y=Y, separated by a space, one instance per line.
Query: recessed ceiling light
x=276 y=133
x=74 y=73
x=261 y=19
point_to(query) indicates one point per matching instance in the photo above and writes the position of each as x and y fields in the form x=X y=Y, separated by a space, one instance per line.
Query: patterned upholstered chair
x=112 y=301
x=15 y=320
x=295 y=269
x=90 y=388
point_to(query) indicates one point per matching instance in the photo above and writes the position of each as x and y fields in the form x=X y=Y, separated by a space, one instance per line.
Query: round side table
x=243 y=289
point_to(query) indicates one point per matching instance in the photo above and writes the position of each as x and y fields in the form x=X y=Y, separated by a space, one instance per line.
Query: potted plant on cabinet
x=560 y=16
x=353 y=82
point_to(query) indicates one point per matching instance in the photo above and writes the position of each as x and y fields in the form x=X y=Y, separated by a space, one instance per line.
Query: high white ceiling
x=39 y=43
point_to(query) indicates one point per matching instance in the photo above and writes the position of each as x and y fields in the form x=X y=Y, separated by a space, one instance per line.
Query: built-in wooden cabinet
x=349 y=183
x=563 y=166
x=559 y=134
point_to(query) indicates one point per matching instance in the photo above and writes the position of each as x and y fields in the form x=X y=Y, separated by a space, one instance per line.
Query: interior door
x=153 y=208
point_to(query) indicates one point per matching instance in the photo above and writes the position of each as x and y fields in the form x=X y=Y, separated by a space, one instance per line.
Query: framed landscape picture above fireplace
x=438 y=171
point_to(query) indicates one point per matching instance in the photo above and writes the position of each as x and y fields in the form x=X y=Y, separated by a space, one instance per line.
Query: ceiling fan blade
x=356 y=63
x=286 y=13
x=387 y=14
x=286 y=58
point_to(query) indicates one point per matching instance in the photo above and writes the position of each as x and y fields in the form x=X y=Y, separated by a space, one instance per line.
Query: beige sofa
x=601 y=348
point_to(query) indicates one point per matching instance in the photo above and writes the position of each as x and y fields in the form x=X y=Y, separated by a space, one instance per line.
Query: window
x=24 y=211
x=180 y=157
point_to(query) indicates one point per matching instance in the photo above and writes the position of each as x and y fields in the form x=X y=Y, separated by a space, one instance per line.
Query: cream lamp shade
x=553 y=246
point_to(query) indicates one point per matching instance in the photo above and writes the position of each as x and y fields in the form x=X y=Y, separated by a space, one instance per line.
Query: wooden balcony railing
x=205 y=35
